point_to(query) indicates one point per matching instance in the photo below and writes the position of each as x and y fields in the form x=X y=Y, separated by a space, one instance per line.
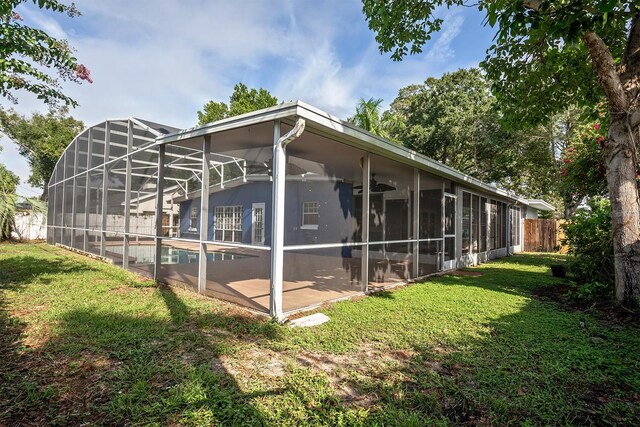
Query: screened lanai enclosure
x=278 y=210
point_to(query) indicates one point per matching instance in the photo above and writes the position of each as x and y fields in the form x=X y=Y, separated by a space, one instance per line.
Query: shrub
x=589 y=238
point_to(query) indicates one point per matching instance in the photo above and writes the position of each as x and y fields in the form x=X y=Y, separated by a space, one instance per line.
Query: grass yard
x=82 y=342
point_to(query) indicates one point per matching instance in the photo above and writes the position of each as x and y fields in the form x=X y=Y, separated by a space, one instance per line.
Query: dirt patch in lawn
x=465 y=273
x=352 y=374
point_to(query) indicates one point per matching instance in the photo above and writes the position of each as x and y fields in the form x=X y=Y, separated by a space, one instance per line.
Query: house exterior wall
x=336 y=216
x=244 y=195
x=531 y=213
x=475 y=258
x=336 y=212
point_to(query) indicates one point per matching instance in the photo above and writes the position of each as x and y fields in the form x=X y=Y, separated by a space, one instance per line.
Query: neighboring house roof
x=349 y=134
x=539 y=204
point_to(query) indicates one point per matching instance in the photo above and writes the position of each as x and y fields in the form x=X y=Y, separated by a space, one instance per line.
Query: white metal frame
x=322 y=124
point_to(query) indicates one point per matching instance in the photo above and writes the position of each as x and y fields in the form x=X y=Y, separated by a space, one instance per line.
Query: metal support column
x=159 y=201
x=87 y=190
x=508 y=229
x=63 y=185
x=75 y=193
x=366 y=207
x=416 y=222
x=443 y=209
x=127 y=196
x=204 y=214
x=105 y=185
x=277 y=227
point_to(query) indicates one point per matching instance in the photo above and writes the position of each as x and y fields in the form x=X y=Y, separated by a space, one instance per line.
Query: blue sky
x=162 y=60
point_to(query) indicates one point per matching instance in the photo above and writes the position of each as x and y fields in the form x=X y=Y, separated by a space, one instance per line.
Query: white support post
x=159 y=201
x=366 y=215
x=105 y=185
x=62 y=186
x=277 y=225
x=204 y=215
x=416 y=222
x=74 y=223
x=87 y=188
x=127 y=196
x=443 y=249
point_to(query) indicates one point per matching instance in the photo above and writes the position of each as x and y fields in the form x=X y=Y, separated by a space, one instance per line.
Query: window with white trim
x=193 y=219
x=228 y=225
x=515 y=225
x=310 y=215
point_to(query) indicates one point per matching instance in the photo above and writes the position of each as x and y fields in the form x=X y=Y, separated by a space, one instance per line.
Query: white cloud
x=441 y=50
x=163 y=59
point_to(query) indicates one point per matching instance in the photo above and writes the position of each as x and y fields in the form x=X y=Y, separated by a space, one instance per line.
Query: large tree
x=454 y=119
x=546 y=56
x=28 y=55
x=242 y=100
x=41 y=138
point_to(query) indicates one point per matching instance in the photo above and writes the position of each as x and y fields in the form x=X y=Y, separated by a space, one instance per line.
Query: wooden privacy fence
x=542 y=235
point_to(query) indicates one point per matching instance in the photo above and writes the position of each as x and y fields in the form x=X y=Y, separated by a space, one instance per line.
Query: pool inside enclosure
x=202 y=208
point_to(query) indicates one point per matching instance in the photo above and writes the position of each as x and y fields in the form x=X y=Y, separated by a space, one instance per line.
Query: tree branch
x=605 y=68
x=532 y=4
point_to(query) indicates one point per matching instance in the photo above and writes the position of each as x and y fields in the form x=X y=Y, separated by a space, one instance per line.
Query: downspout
x=278 y=211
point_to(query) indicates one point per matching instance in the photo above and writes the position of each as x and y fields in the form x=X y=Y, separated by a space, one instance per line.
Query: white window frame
x=229 y=221
x=306 y=226
x=192 y=218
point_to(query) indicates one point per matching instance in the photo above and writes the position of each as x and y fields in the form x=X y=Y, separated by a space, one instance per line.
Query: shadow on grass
x=19 y=270
x=100 y=366
x=535 y=365
x=520 y=274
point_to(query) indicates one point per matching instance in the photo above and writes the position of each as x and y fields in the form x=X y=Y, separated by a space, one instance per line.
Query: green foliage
x=404 y=27
x=589 y=237
x=369 y=118
x=242 y=100
x=9 y=202
x=454 y=119
x=8 y=198
x=8 y=180
x=41 y=138
x=583 y=172
x=537 y=65
x=27 y=53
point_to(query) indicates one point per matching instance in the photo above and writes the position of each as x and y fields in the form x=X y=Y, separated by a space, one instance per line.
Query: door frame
x=255 y=206
x=453 y=262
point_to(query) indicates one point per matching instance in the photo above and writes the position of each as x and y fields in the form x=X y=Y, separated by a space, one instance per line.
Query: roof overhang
x=540 y=204
x=323 y=123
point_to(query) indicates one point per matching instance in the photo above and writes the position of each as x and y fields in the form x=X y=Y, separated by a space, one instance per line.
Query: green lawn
x=85 y=342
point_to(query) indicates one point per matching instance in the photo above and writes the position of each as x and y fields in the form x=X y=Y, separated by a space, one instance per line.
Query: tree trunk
x=620 y=156
x=620 y=153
